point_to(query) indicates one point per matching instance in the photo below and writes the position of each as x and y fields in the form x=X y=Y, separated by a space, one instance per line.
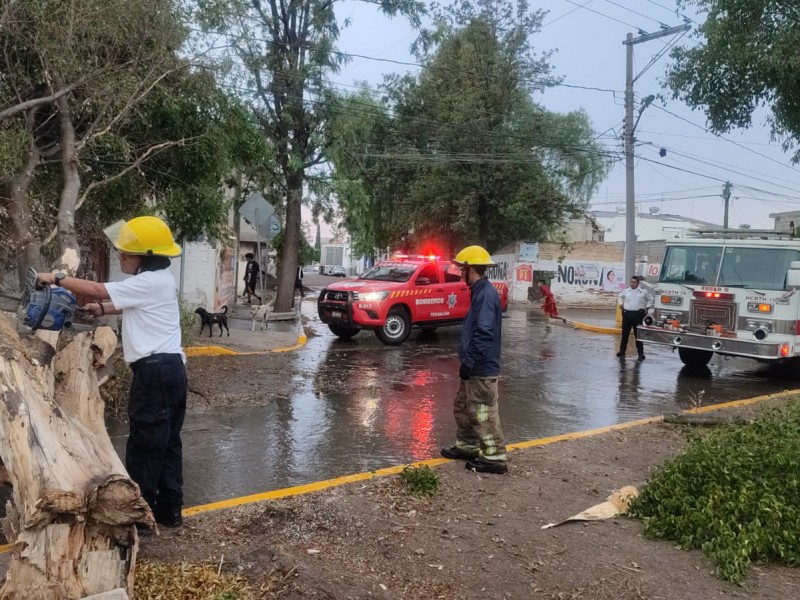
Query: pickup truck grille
x=718 y=313
x=335 y=296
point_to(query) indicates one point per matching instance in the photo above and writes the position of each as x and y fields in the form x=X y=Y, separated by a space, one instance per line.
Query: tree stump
x=74 y=507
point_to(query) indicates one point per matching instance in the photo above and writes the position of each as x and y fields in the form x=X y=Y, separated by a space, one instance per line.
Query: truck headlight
x=372 y=296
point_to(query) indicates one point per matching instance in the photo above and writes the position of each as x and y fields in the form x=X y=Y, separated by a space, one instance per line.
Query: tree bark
x=28 y=254
x=67 y=237
x=291 y=243
x=74 y=507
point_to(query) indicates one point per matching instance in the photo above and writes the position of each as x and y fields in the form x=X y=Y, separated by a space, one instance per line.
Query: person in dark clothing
x=479 y=437
x=298 y=281
x=151 y=344
x=251 y=273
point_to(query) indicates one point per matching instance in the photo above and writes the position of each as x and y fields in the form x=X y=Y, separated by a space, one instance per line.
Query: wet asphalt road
x=361 y=405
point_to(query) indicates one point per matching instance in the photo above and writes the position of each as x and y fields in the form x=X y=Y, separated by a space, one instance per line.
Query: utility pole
x=726 y=196
x=630 y=199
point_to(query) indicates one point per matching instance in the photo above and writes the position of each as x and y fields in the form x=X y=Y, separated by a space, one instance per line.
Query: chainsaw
x=46 y=307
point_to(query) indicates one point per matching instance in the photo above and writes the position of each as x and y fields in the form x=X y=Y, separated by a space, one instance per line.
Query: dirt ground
x=478 y=537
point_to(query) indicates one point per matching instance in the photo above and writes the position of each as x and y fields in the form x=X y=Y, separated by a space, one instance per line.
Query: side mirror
x=793 y=275
x=423 y=280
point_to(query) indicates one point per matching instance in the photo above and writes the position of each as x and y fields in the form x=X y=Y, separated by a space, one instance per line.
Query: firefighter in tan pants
x=479 y=438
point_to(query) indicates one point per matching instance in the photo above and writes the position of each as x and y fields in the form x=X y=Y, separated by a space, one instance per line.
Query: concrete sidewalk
x=284 y=333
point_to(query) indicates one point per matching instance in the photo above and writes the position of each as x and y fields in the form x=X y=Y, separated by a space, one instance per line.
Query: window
x=431 y=272
x=397 y=272
x=696 y=265
x=452 y=274
x=756 y=268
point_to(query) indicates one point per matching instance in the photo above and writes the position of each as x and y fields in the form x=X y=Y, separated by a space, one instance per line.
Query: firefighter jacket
x=479 y=346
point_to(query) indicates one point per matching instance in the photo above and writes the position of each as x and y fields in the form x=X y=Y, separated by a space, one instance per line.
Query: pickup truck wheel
x=692 y=357
x=396 y=328
x=343 y=332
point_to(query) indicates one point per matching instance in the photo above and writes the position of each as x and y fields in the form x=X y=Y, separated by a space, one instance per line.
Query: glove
x=464 y=372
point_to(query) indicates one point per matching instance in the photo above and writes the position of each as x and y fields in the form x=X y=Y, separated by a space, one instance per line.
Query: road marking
x=433 y=462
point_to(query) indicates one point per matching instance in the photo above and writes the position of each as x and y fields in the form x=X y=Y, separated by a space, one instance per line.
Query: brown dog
x=209 y=318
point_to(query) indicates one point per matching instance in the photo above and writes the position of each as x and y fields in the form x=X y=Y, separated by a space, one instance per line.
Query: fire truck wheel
x=343 y=332
x=694 y=358
x=396 y=328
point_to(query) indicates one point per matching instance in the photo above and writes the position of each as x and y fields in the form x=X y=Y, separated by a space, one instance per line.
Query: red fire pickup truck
x=396 y=295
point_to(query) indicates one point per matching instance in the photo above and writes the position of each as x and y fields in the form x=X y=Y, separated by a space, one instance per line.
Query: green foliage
x=286 y=63
x=750 y=52
x=734 y=493
x=13 y=145
x=189 y=322
x=420 y=481
x=461 y=153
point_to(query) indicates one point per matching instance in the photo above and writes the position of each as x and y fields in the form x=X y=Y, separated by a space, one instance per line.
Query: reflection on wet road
x=362 y=405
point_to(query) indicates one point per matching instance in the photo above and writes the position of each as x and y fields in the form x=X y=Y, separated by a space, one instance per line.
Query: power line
x=569 y=12
x=597 y=12
x=635 y=12
x=722 y=137
x=538 y=82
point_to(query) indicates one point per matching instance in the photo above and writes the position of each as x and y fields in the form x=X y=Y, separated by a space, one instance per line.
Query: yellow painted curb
x=220 y=351
x=433 y=462
x=307 y=488
x=328 y=483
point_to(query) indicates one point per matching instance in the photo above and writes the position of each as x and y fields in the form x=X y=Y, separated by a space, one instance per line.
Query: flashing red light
x=714 y=295
x=784 y=349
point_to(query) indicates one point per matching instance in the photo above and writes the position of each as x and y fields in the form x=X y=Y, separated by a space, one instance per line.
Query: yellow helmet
x=143 y=236
x=474 y=256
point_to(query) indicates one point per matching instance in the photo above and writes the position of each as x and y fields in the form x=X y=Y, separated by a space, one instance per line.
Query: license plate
x=336 y=314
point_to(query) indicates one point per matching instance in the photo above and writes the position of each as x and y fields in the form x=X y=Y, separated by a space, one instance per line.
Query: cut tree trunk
x=74 y=507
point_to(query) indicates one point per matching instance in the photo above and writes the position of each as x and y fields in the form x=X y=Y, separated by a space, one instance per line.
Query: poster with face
x=612 y=280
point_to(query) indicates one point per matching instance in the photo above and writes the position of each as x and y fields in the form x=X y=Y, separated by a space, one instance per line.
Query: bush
x=734 y=493
x=420 y=481
x=189 y=322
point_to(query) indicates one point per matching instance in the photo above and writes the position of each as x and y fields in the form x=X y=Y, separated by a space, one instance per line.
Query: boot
x=456 y=453
x=483 y=465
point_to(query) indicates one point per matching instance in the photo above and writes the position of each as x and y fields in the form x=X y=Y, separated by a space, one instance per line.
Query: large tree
x=749 y=59
x=461 y=153
x=283 y=50
x=136 y=128
x=72 y=73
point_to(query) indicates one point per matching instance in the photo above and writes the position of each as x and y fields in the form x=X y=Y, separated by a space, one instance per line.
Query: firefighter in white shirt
x=635 y=302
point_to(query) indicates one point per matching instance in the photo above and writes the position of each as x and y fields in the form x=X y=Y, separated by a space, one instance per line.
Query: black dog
x=211 y=318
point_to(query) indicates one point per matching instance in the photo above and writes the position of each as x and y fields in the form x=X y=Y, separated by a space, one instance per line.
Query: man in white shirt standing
x=635 y=302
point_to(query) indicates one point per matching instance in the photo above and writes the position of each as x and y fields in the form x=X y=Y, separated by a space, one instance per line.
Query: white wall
x=646 y=228
x=575 y=283
x=200 y=284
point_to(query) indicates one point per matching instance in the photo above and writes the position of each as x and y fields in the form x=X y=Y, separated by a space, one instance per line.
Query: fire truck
x=732 y=294
x=396 y=295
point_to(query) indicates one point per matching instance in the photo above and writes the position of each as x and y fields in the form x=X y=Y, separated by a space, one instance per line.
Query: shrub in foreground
x=734 y=493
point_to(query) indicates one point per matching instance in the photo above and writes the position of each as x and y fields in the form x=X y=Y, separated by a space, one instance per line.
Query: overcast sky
x=589 y=53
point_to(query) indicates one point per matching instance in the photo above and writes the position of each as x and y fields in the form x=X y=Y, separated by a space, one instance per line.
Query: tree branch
x=35 y=102
x=135 y=97
x=135 y=164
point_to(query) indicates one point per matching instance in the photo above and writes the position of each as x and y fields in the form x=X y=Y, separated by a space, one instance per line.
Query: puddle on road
x=361 y=406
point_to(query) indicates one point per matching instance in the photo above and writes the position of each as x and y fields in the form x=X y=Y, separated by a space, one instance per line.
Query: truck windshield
x=756 y=268
x=397 y=272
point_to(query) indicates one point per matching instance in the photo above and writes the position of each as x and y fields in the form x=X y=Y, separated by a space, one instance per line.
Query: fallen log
x=71 y=521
